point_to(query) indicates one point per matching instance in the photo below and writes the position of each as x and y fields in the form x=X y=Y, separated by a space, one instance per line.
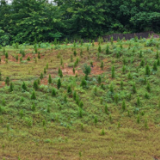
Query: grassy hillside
x=80 y=101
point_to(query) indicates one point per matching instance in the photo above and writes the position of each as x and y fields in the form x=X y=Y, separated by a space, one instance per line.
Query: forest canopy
x=28 y=21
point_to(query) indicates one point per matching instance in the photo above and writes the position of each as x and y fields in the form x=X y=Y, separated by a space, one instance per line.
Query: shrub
x=81 y=104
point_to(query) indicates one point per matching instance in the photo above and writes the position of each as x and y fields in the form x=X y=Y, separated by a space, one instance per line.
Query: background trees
x=36 y=20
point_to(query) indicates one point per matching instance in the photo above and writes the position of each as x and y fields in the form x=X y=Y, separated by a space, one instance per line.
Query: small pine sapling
x=142 y=63
x=41 y=76
x=99 y=49
x=99 y=79
x=147 y=70
x=111 y=88
x=83 y=83
x=123 y=69
x=6 y=55
x=91 y=63
x=106 y=109
x=35 y=85
x=155 y=66
x=0 y=76
x=33 y=96
x=123 y=105
x=102 y=65
x=157 y=55
x=11 y=87
x=69 y=89
x=134 y=88
x=54 y=92
x=75 y=53
x=148 y=87
x=24 y=87
x=107 y=49
x=7 y=81
x=49 y=79
x=86 y=70
x=74 y=70
x=80 y=112
x=113 y=72
x=59 y=83
x=111 y=40
x=138 y=101
x=121 y=84
x=129 y=76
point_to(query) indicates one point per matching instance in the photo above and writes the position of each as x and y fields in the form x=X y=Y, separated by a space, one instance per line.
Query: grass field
x=80 y=101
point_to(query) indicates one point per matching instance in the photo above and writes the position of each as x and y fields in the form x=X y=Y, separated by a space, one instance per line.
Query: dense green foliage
x=36 y=20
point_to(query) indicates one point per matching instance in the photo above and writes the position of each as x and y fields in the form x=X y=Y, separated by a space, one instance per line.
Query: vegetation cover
x=29 y=21
x=96 y=100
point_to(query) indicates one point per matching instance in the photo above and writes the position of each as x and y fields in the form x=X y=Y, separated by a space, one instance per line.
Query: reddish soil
x=2 y=84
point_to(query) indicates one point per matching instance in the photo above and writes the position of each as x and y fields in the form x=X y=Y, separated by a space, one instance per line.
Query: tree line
x=30 y=21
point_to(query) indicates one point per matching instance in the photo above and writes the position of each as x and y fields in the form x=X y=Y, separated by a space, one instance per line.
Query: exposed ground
x=120 y=115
